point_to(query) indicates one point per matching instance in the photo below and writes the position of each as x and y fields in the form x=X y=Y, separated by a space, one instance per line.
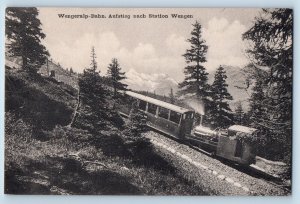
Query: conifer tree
x=239 y=114
x=137 y=124
x=221 y=113
x=195 y=84
x=94 y=109
x=258 y=115
x=116 y=76
x=71 y=72
x=24 y=35
x=172 y=97
x=257 y=107
x=272 y=48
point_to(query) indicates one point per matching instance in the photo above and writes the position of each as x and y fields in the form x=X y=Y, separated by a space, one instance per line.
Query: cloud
x=225 y=45
x=144 y=51
x=176 y=45
x=143 y=58
x=77 y=54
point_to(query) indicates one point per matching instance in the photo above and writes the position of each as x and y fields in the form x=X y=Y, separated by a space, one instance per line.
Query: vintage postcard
x=148 y=101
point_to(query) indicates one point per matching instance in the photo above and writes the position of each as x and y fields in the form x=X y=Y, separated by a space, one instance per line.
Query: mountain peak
x=159 y=83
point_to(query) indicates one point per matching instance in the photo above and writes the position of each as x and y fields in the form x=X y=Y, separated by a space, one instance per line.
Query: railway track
x=251 y=178
x=251 y=171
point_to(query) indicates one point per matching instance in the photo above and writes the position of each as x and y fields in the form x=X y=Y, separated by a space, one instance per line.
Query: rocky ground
x=210 y=173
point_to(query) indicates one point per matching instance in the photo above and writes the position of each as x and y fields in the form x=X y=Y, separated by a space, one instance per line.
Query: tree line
x=270 y=49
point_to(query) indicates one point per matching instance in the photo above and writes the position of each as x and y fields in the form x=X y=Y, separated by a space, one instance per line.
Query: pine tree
x=239 y=114
x=116 y=76
x=258 y=115
x=24 y=34
x=221 y=113
x=93 y=66
x=71 y=71
x=165 y=98
x=195 y=84
x=257 y=106
x=172 y=97
x=258 y=112
x=272 y=40
x=136 y=125
x=94 y=109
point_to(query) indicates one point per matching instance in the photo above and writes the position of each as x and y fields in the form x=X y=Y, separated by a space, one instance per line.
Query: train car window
x=152 y=108
x=163 y=113
x=142 y=105
x=187 y=115
x=175 y=117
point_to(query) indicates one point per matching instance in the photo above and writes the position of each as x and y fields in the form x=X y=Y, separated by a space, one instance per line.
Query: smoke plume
x=198 y=106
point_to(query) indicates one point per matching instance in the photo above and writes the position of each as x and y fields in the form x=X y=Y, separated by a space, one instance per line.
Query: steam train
x=178 y=122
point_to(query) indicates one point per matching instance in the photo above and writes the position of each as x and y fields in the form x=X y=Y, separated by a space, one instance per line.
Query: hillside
x=55 y=70
x=43 y=155
x=41 y=101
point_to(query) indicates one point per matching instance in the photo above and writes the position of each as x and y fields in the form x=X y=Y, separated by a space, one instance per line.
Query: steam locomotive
x=178 y=122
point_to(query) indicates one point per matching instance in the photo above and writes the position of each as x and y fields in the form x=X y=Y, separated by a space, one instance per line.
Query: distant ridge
x=161 y=84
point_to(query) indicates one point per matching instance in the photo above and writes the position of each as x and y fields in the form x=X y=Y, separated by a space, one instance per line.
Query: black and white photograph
x=148 y=101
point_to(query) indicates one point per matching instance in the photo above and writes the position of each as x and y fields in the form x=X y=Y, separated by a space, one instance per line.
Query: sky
x=148 y=46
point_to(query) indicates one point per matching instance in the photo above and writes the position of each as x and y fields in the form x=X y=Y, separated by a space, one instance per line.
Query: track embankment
x=210 y=173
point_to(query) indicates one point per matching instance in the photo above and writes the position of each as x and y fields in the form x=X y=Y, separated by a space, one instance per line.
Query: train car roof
x=240 y=128
x=158 y=102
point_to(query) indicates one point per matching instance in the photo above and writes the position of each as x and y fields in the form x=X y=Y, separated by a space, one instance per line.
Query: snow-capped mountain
x=159 y=83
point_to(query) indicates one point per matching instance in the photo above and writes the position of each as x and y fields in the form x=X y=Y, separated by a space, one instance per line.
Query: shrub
x=67 y=138
x=18 y=142
x=136 y=125
x=16 y=129
x=90 y=153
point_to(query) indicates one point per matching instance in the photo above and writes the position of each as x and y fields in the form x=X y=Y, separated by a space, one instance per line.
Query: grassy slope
x=43 y=156
x=41 y=102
